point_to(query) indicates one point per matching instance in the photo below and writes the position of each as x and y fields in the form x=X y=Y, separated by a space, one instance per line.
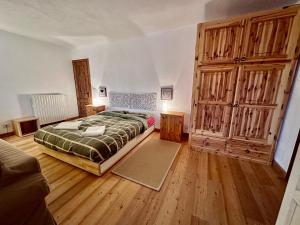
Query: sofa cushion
x=18 y=198
x=22 y=189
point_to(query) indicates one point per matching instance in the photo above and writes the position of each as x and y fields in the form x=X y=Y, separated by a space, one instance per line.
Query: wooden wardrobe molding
x=243 y=73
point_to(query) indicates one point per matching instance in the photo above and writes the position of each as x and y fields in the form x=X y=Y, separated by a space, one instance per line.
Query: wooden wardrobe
x=244 y=68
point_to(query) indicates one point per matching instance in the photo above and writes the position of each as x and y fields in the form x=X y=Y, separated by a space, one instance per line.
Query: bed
x=123 y=131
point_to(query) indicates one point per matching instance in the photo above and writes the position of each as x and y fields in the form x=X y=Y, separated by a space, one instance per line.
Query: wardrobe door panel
x=221 y=42
x=211 y=120
x=271 y=36
x=213 y=99
x=258 y=99
x=252 y=122
x=259 y=84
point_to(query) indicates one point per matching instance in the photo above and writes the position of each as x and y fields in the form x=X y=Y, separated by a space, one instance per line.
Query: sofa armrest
x=19 y=196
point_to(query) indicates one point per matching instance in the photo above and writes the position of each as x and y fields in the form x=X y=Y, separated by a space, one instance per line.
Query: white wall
x=145 y=64
x=290 y=127
x=29 y=66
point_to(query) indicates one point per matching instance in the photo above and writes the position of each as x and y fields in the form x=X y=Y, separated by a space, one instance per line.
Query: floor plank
x=200 y=189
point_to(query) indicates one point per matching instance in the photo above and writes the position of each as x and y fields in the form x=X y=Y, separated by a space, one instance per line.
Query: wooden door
x=213 y=97
x=220 y=42
x=289 y=213
x=271 y=36
x=258 y=100
x=83 y=84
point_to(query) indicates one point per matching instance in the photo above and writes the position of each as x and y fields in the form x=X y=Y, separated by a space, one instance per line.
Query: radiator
x=49 y=108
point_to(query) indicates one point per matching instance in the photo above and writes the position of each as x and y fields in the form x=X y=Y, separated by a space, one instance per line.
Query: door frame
x=291 y=199
x=289 y=170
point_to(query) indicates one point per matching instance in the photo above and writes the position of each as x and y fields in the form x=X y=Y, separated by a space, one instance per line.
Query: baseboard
x=7 y=134
x=279 y=170
x=156 y=130
x=184 y=135
x=72 y=118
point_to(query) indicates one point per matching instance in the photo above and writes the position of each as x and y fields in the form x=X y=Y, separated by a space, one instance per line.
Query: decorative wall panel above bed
x=145 y=101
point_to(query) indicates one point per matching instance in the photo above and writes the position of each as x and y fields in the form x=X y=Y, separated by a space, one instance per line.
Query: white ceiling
x=83 y=22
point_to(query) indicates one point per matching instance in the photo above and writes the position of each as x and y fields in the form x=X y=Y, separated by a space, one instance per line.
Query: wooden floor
x=200 y=189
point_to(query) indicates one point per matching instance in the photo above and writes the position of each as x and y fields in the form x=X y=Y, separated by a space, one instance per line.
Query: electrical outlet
x=6 y=127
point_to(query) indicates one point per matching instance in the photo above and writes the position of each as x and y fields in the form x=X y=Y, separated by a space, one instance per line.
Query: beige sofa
x=22 y=189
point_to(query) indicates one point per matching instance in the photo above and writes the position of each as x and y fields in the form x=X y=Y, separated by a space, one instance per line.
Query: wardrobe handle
x=243 y=58
x=236 y=105
x=236 y=59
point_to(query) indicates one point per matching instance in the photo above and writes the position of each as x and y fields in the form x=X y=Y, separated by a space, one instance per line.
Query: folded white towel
x=93 y=131
x=71 y=125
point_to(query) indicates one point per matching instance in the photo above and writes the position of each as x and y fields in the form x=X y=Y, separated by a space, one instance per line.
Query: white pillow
x=93 y=131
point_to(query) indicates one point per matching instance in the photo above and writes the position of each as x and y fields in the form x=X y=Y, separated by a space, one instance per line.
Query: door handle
x=236 y=59
x=233 y=105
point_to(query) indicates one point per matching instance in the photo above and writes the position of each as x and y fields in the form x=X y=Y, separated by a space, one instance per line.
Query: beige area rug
x=150 y=164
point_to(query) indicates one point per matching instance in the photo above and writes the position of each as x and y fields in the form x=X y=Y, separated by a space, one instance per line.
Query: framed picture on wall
x=102 y=91
x=167 y=93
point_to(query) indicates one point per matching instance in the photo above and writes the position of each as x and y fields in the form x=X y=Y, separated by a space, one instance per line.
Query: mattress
x=121 y=127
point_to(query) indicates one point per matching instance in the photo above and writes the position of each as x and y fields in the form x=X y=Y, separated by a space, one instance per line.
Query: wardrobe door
x=271 y=36
x=258 y=100
x=220 y=42
x=213 y=96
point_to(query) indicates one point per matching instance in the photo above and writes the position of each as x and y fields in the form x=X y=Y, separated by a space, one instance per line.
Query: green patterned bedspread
x=120 y=127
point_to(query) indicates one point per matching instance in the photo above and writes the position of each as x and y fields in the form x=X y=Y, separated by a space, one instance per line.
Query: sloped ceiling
x=84 y=22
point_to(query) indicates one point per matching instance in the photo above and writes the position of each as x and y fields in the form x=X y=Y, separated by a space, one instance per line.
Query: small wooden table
x=171 y=125
x=26 y=126
x=93 y=110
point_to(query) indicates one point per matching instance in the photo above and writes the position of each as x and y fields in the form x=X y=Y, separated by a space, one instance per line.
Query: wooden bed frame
x=96 y=168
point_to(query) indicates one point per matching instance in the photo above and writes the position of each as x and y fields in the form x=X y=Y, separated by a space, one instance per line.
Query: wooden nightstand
x=93 y=110
x=171 y=126
x=26 y=126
